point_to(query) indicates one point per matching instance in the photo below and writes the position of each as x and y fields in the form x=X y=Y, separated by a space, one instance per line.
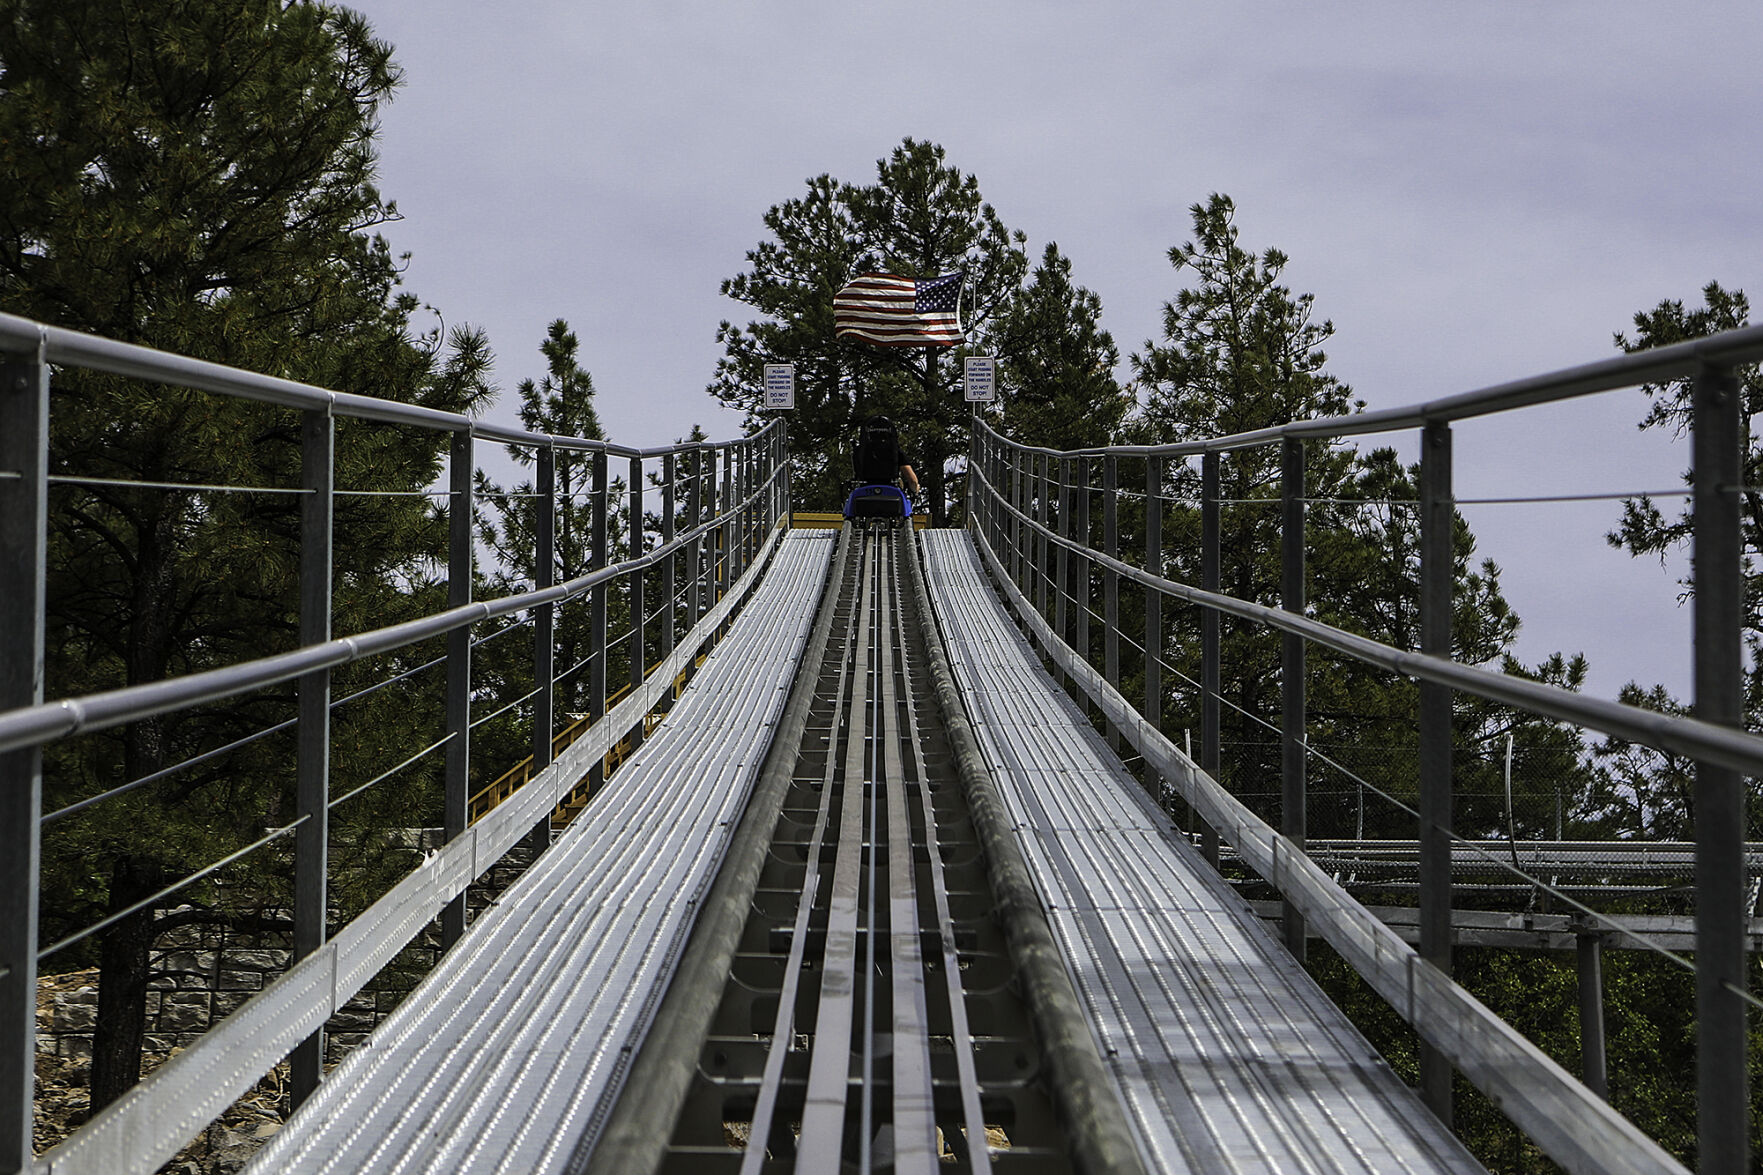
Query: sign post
x=780 y=386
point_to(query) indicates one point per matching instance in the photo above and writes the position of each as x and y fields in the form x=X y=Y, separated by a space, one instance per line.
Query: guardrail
x=1030 y=509
x=687 y=565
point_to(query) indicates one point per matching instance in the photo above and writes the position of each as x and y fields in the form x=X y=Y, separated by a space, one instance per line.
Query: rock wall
x=203 y=973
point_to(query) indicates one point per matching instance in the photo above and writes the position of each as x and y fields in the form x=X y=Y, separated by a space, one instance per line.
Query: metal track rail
x=1224 y=1052
x=507 y=1057
x=870 y=1021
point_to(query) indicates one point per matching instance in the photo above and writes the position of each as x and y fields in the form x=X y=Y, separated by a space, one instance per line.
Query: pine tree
x=1057 y=388
x=1242 y=353
x=1643 y=790
x=199 y=177
x=561 y=403
x=921 y=217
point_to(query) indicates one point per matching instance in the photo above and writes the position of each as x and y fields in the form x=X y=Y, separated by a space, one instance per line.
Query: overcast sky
x=1473 y=191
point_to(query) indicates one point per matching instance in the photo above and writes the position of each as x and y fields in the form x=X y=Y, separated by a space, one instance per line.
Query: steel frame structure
x=1019 y=512
x=723 y=540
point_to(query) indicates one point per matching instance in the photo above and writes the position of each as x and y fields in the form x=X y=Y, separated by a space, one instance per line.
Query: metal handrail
x=1677 y=361
x=35 y=725
x=1687 y=736
x=1031 y=521
x=722 y=515
x=77 y=349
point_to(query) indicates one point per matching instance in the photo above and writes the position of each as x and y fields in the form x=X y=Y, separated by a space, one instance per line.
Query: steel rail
x=914 y=1108
x=1081 y=1087
x=72 y=348
x=1690 y=737
x=753 y=1157
x=48 y=721
x=1573 y=1126
x=979 y=1156
x=821 y=1144
x=634 y=1138
x=1677 y=361
x=146 y=1126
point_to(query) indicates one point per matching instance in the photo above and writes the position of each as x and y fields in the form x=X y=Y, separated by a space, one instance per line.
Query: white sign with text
x=979 y=376
x=780 y=385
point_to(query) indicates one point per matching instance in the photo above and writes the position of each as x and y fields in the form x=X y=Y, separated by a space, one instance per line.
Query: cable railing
x=660 y=580
x=1070 y=574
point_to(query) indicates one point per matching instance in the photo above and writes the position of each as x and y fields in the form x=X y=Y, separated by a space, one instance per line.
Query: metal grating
x=1226 y=1055
x=508 y=1053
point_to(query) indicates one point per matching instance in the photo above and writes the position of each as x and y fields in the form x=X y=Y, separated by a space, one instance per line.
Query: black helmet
x=879 y=422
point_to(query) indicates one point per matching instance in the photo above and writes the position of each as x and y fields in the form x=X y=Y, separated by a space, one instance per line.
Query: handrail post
x=1080 y=561
x=1154 y=601
x=597 y=558
x=1016 y=519
x=1293 y=800
x=313 y=740
x=1590 y=971
x=1722 y=1095
x=544 y=627
x=738 y=453
x=669 y=503
x=1211 y=572
x=457 y=787
x=725 y=571
x=1111 y=582
x=786 y=488
x=24 y=528
x=1062 y=499
x=694 y=488
x=639 y=624
x=1044 y=516
x=1437 y=563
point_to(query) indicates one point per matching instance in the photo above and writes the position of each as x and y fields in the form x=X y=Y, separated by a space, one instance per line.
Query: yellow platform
x=833 y=520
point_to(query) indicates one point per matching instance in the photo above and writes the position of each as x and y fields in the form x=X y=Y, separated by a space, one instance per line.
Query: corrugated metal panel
x=1227 y=1056
x=506 y=1055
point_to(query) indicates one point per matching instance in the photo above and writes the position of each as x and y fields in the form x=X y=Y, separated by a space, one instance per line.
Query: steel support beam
x=598 y=554
x=312 y=775
x=544 y=626
x=24 y=500
x=1722 y=1079
x=639 y=602
x=1294 y=817
x=1154 y=598
x=1437 y=565
x=1211 y=564
x=1111 y=582
x=457 y=787
x=1589 y=956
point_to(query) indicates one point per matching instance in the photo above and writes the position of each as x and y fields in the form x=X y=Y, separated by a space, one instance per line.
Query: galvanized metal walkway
x=1222 y=1052
x=1226 y=1055
x=506 y=1057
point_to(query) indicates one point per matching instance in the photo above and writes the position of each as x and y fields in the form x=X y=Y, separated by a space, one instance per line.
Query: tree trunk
x=122 y=983
x=118 y=1035
x=936 y=484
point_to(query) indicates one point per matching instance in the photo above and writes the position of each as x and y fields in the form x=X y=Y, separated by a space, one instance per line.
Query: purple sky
x=1472 y=192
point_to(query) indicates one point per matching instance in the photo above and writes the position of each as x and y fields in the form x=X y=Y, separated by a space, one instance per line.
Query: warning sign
x=979 y=376
x=780 y=385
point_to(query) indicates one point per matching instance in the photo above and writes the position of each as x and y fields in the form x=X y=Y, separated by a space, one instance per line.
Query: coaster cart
x=878 y=503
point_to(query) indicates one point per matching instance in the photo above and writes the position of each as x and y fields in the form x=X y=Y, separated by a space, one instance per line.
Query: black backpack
x=877 y=458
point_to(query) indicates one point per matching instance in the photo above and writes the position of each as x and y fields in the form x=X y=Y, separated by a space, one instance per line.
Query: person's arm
x=909 y=477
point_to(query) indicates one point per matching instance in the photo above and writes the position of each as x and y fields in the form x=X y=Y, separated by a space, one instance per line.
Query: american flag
x=893 y=311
